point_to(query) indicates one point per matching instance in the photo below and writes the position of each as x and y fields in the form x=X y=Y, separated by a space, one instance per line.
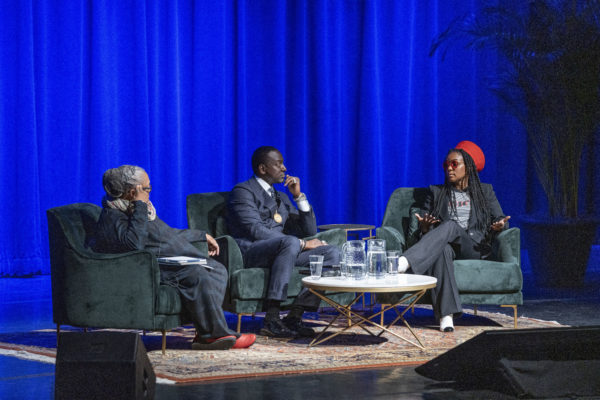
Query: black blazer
x=117 y=232
x=477 y=235
x=250 y=212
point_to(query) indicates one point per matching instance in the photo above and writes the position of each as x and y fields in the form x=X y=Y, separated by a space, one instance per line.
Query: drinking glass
x=316 y=266
x=392 y=259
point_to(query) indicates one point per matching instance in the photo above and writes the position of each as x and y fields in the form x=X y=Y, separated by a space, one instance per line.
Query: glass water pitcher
x=353 y=254
x=376 y=258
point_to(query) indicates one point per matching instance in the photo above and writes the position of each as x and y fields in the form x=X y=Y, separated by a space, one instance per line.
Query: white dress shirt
x=302 y=203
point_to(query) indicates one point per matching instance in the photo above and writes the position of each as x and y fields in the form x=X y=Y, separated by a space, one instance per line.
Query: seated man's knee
x=291 y=244
x=331 y=254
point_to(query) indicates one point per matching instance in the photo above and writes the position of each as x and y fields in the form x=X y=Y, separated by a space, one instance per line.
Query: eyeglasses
x=147 y=189
x=453 y=163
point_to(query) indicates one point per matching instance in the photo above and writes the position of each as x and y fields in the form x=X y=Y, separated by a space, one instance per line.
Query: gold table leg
x=416 y=296
x=351 y=315
x=342 y=310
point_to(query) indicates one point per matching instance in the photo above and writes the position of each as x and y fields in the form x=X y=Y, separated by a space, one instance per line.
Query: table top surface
x=391 y=283
x=347 y=227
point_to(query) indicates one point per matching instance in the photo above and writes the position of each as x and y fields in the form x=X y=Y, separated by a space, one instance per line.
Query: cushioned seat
x=472 y=276
x=247 y=284
x=96 y=290
x=495 y=281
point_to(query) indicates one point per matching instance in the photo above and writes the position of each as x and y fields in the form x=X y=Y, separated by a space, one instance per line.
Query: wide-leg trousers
x=434 y=255
x=202 y=292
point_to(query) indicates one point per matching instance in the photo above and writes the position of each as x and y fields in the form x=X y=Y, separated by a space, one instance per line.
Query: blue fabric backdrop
x=188 y=90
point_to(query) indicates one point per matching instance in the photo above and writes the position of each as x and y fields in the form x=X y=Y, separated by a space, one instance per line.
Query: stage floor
x=25 y=305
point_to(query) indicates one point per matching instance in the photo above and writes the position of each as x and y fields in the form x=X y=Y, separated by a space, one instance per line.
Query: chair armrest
x=335 y=237
x=394 y=239
x=507 y=246
x=107 y=290
x=230 y=254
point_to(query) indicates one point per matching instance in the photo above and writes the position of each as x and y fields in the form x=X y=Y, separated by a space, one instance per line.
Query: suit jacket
x=477 y=235
x=250 y=212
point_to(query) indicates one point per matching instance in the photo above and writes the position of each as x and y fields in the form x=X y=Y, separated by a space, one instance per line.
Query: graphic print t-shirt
x=463 y=209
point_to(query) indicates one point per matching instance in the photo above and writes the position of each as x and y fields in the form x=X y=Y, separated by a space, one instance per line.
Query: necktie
x=275 y=196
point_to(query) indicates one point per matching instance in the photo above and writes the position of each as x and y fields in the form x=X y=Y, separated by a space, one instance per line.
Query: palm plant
x=551 y=82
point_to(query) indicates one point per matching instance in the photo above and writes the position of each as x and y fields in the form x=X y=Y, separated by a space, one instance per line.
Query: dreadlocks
x=479 y=206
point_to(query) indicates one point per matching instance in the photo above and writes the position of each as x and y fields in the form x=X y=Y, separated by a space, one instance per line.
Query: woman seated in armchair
x=459 y=221
x=128 y=222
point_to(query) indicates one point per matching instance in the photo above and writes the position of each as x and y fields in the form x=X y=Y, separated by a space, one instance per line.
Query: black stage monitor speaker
x=103 y=365
x=538 y=363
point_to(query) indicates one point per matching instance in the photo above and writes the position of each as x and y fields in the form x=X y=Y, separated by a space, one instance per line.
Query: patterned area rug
x=269 y=357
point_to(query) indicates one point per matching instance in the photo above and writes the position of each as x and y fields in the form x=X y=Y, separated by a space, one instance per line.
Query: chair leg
x=164 y=341
x=239 y=320
x=382 y=307
x=514 y=307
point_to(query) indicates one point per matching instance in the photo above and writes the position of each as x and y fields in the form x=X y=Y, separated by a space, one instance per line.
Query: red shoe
x=222 y=343
x=244 y=341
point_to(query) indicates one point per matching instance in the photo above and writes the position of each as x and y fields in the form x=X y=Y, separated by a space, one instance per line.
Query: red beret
x=474 y=151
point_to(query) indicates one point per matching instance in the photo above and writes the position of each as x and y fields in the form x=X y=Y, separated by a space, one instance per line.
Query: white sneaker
x=402 y=265
x=446 y=324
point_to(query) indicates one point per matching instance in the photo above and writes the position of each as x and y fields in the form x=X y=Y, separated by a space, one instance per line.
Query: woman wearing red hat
x=459 y=221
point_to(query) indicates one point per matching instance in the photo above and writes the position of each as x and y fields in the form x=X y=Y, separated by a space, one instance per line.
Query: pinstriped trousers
x=434 y=255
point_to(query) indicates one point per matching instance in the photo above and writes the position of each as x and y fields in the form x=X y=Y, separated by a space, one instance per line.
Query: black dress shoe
x=296 y=324
x=276 y=328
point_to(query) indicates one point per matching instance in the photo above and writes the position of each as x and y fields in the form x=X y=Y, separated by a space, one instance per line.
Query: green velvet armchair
x=496 y=281
x=89 y=289
x=247 y=285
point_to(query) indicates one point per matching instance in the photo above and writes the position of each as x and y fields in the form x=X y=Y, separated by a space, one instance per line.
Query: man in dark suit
x=269 y=230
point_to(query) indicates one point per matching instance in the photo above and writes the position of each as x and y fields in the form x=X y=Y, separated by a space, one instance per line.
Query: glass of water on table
x=392 y=261
x=316 y=266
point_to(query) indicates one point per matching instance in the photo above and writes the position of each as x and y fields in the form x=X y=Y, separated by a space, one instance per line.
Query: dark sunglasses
x=454 y=164
x=147 y=189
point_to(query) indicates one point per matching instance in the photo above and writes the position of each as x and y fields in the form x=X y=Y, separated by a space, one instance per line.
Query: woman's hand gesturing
x=426 y=221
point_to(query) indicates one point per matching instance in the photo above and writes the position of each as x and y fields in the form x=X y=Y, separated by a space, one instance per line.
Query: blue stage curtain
x=188 y=89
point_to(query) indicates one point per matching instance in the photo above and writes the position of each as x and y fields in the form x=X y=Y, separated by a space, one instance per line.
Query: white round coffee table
x=413 y=285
